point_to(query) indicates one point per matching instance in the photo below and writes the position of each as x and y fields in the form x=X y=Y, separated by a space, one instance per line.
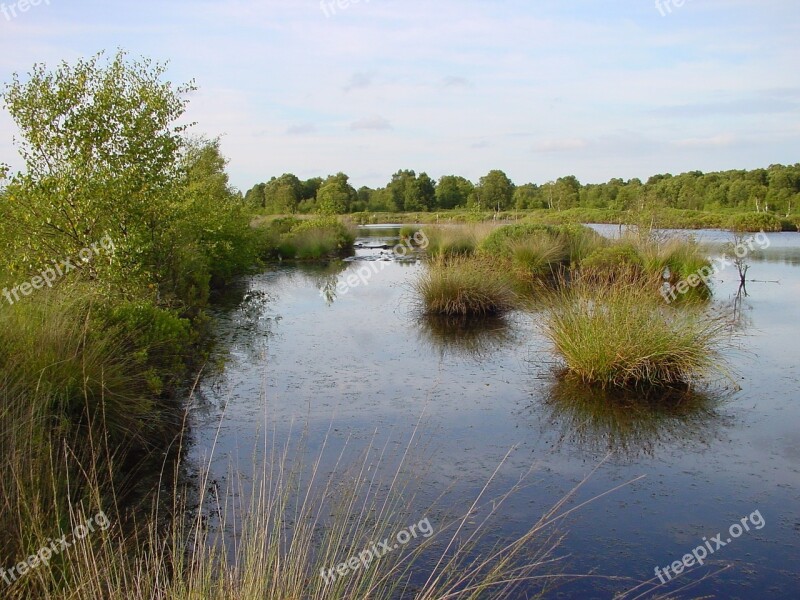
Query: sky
x=539 y=88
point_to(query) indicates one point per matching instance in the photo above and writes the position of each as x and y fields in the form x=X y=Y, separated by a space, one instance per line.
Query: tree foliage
x=775 y=189
x=102 y=157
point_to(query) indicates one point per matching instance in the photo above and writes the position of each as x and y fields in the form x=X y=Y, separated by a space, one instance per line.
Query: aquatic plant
x=312 y=239
x=616 y=332
x=537 y=255
x=500 y=241
x=295 y=529
x=755 y=221
x=620 y=256
x=465 y=286
x=453 y=240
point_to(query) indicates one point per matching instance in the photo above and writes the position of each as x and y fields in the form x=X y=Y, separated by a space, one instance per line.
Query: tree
x=567 y=192
x=310 y=187
x=453 y=192
x=420 y=193
x=255 y=196
x=335 y=195
x=103 y=154
x=495 y=190
x=527 y=196
x=213 y=217
x=381 y=201
x=398 y=188
x=283 y=194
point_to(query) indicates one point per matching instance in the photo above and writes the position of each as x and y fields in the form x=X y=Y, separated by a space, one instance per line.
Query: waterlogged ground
x=340 y=352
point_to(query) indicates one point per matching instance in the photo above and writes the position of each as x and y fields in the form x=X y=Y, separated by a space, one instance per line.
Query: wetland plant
x=465 y=287
x=617 y=332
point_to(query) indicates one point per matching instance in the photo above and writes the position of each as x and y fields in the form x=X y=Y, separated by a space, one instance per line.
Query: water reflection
x=741 y=319
x=464 y=337
x=323 y=276
x=631 y=423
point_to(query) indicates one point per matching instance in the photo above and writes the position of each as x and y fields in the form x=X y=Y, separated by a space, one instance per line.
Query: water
x=306 y=350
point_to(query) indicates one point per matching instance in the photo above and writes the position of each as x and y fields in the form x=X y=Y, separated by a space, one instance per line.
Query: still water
x=309 y=348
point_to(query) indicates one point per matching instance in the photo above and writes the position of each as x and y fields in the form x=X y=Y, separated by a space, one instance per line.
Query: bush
x=752 y=222
x=499 y=242
x=465 y=287
x=311 y=239
x=159 y=341
x=622 y=256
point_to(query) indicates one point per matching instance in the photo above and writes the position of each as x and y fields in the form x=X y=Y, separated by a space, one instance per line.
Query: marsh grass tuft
x=617 y=332
x=537 y=255
x=456 y=240
x=289 y=238
x=465 y=287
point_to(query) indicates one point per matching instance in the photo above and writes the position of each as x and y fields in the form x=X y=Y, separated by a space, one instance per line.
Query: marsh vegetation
x=100 y=369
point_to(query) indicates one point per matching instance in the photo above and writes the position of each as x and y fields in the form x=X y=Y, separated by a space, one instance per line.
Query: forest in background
x=774 y=190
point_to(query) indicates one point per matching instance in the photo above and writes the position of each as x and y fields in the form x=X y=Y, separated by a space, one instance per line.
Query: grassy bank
x=316 y=238
x=665 y=218
x=106 y=277
x=298 y=527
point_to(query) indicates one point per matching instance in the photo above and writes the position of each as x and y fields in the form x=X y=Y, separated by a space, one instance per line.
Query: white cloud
x=561 y=145
x=726 y=139
x=301 y=129
x=376 y=123
x=594 y=89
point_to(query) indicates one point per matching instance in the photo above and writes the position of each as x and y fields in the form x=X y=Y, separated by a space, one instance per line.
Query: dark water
x=305 y=350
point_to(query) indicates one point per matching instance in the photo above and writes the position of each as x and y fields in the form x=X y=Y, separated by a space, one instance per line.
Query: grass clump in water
x=606 y=262
x=312 y=239
x=455 y=240
x=537 y=254
x=617 y=332
x=465 y=287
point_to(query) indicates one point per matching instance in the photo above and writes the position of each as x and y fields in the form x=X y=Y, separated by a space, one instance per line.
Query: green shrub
x=160 y=341
x=499 y=242
x=755 y=222
x=621 y=256
x=407 y=231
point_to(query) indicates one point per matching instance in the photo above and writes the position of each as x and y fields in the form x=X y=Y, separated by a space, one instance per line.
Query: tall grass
x=283 y=525
x=311 y=239
x=465 y=287
x=537 y=255
x=617 y=332
x=66 y=388
x=456 y=240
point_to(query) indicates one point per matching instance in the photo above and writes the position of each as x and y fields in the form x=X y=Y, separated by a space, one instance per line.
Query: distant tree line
x=774 y=190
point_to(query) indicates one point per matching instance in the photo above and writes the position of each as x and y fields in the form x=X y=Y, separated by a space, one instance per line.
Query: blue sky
x=540 y=89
